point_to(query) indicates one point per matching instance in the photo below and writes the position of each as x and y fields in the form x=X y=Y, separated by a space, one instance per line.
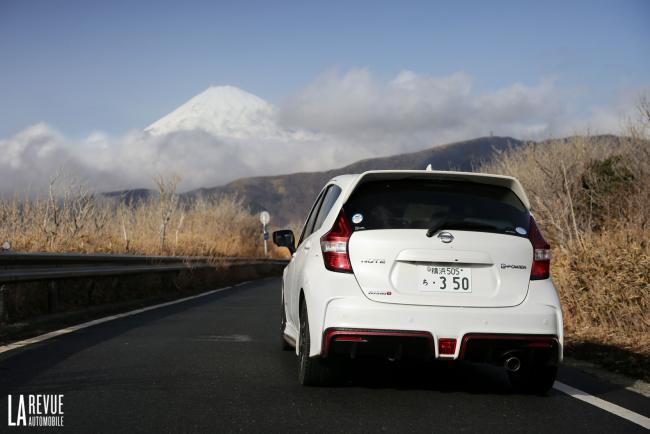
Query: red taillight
x=446 y=346
x=541 y=253
x=334 y=246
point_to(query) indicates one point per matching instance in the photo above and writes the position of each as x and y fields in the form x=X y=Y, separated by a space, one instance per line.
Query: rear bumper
x=537 y=319
x=475 y=347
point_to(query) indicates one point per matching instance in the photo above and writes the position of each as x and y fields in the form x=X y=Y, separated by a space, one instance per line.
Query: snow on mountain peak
x=224 y=111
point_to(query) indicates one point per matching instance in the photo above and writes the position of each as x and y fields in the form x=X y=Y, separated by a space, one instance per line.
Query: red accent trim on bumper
x=344 y=338
x=333 y=332
x=535 y=340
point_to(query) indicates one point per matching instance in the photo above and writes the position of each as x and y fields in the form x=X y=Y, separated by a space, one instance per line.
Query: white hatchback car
x=422 y=264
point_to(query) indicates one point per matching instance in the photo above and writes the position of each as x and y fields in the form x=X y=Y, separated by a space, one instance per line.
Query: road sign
x=265 y=218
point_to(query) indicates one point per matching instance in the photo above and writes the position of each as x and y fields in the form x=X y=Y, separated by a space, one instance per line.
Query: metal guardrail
x=30 y=267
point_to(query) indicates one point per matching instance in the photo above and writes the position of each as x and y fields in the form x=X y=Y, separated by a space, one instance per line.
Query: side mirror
x=285 y=238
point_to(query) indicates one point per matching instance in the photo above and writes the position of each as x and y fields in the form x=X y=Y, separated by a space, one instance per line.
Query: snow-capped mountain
x=226 y=111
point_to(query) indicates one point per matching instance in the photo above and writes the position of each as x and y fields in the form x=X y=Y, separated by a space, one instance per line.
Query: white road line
x=603 y=405
x=73 y=328
x=243 y=283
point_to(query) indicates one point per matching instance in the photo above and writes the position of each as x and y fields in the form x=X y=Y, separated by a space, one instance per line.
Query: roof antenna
x=429 y=168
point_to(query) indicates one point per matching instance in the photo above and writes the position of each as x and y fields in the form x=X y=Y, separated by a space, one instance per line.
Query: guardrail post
x=52 y=297
x=3 y=303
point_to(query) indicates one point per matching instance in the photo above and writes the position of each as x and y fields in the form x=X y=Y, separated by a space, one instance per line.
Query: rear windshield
x=437 y=205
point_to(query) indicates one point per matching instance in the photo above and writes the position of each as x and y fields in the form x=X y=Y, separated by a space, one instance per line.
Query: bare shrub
x=167 y=201
x=591 y=196
x=71 y=219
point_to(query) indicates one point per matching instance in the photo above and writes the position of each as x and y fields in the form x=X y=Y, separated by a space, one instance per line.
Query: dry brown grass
x=605 y=288
x=591 y=196
x=70 y=219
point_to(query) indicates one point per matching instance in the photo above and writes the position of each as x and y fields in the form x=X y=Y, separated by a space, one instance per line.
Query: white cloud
x=349 y=115
x=417 y=110
x=26 y=158
x=31 y=157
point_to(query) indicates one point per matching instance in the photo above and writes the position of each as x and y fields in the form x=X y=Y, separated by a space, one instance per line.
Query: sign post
x=265 y=218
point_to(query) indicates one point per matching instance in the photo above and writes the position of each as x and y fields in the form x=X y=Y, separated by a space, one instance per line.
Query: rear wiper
x=461 y=225
x=433 y=229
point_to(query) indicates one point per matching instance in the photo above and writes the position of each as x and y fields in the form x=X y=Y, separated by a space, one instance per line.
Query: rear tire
x=286 y=346
x=536 y=379
x=311 y=371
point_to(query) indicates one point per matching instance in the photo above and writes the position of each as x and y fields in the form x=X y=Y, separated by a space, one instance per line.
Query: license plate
x=445 y=279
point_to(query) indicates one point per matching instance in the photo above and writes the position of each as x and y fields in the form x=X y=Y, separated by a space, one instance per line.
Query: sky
x=72 y=71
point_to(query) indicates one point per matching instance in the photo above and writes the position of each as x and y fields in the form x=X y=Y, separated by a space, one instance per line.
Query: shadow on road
x=614 y=358
x=439 y=376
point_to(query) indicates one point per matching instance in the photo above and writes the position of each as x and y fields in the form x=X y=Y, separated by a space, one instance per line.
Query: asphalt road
x=215 y=364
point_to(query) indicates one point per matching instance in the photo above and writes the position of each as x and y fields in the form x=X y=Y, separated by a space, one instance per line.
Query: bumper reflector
x=446 y=346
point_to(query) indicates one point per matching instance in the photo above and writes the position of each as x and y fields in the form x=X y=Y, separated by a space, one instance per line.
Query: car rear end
x=447 y=265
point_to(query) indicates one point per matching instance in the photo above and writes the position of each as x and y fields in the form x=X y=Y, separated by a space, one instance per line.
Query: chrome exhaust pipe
x=512 y=364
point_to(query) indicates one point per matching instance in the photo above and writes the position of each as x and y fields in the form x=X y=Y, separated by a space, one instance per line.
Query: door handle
x=308 y=245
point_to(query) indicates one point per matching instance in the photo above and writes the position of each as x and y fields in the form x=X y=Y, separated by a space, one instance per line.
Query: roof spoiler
x=481 y=178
